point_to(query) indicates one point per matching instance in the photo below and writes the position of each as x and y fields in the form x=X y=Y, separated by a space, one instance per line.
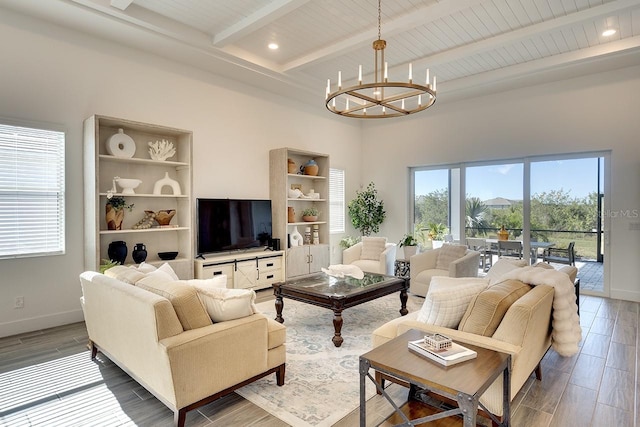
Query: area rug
x=322 y=381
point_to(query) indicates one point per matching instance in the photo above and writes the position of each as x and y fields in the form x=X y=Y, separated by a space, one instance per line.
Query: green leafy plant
x=437 y=231
x=408 y=240
x=118 y=203
x=348 y=241
x=312 y=211
x=107 y=264
x=366 y=211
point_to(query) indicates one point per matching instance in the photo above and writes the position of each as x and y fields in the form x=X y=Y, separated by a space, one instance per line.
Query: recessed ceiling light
x=273 y=46
x=609 y=32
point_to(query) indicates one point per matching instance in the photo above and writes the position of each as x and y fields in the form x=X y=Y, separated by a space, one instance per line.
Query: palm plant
x=477 y=216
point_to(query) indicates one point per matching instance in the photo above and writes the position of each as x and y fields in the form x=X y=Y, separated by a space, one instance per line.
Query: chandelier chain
x=379 y=17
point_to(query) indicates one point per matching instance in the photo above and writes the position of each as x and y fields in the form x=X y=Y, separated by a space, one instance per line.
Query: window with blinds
x=336 y=201
x=31 y=191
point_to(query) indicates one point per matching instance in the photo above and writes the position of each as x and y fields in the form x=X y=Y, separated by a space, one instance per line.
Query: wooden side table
x=463 y=383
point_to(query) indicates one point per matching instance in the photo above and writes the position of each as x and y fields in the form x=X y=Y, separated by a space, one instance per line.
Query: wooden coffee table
x=463 y=383
x=337 y=294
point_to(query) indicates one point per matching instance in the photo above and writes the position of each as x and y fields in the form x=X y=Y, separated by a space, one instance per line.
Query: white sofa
x=438 y=262
x=381 y=261
x=144 y=333
x=524 y=331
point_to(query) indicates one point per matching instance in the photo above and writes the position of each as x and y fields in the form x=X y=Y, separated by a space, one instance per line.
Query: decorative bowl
x=310 y=218
x=166 y=256
x=163 y=217
x=128 y=184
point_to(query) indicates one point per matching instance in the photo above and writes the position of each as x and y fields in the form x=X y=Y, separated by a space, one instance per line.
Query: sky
x=576 y=176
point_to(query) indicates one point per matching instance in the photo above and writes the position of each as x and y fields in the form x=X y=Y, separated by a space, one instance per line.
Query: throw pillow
x=224 y=304
x=167 y=269
x=216 y=282
x=449 y=253
x=124 y=274
x=144 y=267
x=372 y=247
x=448 y=298
x=486 y=310
x=501 y=267
x=185 y=301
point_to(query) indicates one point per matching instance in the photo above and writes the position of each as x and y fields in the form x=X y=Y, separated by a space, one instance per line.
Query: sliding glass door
x=542 y=202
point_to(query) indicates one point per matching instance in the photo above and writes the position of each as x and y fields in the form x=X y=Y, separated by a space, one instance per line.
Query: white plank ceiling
x=468 y=44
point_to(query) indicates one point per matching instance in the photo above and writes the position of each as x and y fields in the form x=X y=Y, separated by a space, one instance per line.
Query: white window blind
x=31 y=191
x=336 y=201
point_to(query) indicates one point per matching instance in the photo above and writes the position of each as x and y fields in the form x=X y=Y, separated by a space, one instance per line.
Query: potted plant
x=114 y=211
x=366 y=211
x=409 y=245
x=436 y=232
x=310 y=214
x=347 y=241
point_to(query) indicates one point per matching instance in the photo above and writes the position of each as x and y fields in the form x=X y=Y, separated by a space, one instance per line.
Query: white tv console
x=244 y=270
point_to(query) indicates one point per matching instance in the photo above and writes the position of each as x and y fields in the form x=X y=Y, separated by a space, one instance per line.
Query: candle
x=427 y=77
x=339 y=80
x=434 y=83
x=360 y=74
x=410 y=72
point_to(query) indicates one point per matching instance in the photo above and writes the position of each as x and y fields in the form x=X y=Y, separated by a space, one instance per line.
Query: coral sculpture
x=161 y=150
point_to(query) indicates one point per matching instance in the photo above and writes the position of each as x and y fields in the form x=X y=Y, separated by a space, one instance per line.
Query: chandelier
x=381 y=98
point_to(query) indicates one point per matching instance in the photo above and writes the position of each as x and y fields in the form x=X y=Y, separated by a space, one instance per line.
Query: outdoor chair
x=510 y=248
x=561 y=256
x=480 y=245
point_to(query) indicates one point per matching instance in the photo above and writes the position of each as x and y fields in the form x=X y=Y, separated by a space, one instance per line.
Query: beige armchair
x=448 y=260
x=372 y=254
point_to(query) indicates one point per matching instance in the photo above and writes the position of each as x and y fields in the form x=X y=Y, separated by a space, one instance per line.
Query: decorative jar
x=139 y=253
x=311 y=168
x=117 y=251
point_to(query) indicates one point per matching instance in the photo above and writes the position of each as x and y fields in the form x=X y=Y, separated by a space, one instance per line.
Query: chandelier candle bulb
x=419 y=99
x=339 y=80
x=360 y=74
x=410 y=72
x=386 y=73
x=427 y=77
x=434 y=83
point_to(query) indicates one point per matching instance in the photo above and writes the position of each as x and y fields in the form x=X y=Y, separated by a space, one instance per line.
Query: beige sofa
x=185 y=368
x=439 y=262
x=524 y=331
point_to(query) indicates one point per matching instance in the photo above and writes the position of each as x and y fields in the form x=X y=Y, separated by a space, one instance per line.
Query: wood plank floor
x=599 y=386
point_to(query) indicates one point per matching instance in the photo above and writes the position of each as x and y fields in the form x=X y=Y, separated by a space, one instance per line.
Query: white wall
x=53 y=75
x=592 y=113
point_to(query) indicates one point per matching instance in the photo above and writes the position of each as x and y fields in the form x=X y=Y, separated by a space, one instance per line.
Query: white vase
x=295 y=238
x=409 y=251
x=175 y=186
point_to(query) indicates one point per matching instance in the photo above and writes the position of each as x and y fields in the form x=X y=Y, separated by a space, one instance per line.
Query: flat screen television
x=232 y=224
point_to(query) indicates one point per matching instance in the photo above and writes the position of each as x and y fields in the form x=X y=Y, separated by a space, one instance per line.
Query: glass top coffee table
x=337 y=294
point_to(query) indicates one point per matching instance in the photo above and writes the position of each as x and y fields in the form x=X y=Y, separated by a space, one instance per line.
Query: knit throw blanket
x=565 y=324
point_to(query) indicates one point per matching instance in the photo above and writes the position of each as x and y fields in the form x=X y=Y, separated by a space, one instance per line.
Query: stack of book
x=449 y=356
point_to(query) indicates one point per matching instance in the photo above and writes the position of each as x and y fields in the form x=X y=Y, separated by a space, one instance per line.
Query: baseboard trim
x=40 y=322
x=625 y=295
